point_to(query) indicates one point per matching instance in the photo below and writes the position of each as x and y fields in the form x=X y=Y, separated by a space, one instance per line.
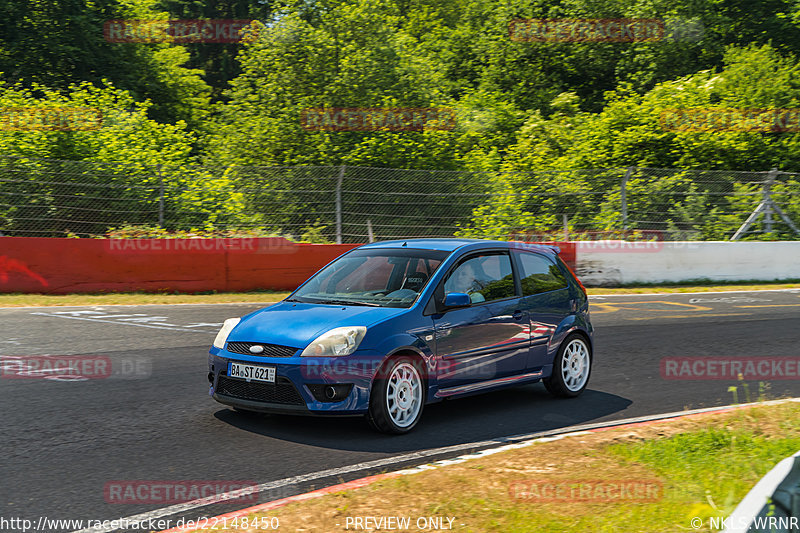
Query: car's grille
x=270 y=350
x=281 y=392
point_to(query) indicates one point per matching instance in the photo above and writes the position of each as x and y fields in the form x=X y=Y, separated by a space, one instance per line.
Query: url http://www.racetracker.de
x=44 y=524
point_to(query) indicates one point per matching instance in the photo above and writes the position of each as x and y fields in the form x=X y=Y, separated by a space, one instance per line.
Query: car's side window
x=539 y=274
x=484 y=277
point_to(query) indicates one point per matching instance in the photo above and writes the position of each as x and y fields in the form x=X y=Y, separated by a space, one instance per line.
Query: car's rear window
x=539 y=274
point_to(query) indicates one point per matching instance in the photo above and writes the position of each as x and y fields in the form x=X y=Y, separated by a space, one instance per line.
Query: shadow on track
x=518 y=410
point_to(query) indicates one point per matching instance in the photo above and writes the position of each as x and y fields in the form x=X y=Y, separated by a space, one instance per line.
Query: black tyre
x=398 y=396
x=571 y=368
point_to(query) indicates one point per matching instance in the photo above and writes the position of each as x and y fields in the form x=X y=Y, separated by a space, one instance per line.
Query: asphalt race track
x=152 y=419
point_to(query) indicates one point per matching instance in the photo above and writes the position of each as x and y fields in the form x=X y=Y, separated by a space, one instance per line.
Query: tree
x=56 y=43
x=218 y=60
x=631 y=131
x=86 y=159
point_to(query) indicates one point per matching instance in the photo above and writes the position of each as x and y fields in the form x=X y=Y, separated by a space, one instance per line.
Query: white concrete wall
x=601 y=263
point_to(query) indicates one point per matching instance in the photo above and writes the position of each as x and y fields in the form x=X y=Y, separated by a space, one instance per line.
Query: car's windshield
x=384 y=277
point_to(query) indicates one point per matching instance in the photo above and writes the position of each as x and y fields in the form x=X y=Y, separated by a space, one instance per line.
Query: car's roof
x=426 y=244
x=451 y=244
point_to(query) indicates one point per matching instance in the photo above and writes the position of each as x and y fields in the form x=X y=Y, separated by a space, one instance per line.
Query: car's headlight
x=338 y=341
x=225 y=330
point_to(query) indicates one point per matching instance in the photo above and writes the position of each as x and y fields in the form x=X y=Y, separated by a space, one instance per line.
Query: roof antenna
x=405 y=243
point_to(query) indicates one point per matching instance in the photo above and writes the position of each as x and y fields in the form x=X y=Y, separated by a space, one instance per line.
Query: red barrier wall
x=59 y=266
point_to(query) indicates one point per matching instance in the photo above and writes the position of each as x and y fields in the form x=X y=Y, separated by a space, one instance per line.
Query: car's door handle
x=517 y=315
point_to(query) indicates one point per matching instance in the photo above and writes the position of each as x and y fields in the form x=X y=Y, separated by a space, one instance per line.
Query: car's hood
x=297 y=324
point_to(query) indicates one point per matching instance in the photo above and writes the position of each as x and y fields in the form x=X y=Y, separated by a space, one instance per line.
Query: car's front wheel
x=397 y=397
x=571 y=368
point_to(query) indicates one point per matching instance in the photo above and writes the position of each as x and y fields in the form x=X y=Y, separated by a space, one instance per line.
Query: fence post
x=767 y=207
x=160 y=197
x=773 y=173
x=339 y=205
x=624 y=197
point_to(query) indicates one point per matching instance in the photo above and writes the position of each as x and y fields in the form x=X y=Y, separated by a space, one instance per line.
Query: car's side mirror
x=456 y=299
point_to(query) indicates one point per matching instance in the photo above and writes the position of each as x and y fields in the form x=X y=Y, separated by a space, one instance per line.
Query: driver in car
x=464 y=280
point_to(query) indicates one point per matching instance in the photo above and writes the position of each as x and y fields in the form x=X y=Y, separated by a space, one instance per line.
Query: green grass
x=128 y=298
x=706 y=474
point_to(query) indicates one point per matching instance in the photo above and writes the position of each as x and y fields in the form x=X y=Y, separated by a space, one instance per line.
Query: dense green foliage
x=522 y=108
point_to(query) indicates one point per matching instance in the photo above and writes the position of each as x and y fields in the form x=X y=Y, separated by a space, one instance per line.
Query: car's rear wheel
x=571 y=368
x=397 y=397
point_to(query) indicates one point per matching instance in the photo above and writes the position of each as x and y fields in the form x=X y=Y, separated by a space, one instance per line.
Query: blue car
x=390 y=327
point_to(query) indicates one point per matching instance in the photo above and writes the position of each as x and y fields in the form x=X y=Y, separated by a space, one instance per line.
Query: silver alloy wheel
x=575 y=365
x=404 y=394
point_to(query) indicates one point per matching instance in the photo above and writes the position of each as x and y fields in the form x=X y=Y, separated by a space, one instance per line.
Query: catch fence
x=58 y=198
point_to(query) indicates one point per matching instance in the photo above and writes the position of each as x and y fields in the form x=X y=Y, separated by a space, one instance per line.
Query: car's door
x=489 y=338
x=546 y=299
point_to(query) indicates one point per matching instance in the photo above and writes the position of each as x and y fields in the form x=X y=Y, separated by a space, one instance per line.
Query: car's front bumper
x=276 y=408
x=296 y=377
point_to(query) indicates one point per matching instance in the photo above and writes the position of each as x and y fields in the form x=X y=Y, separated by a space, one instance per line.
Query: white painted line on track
x=690 y=293
x=502 y=442
x=120 y=322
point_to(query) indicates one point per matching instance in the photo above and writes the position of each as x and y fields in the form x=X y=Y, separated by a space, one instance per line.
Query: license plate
x=252 y=372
